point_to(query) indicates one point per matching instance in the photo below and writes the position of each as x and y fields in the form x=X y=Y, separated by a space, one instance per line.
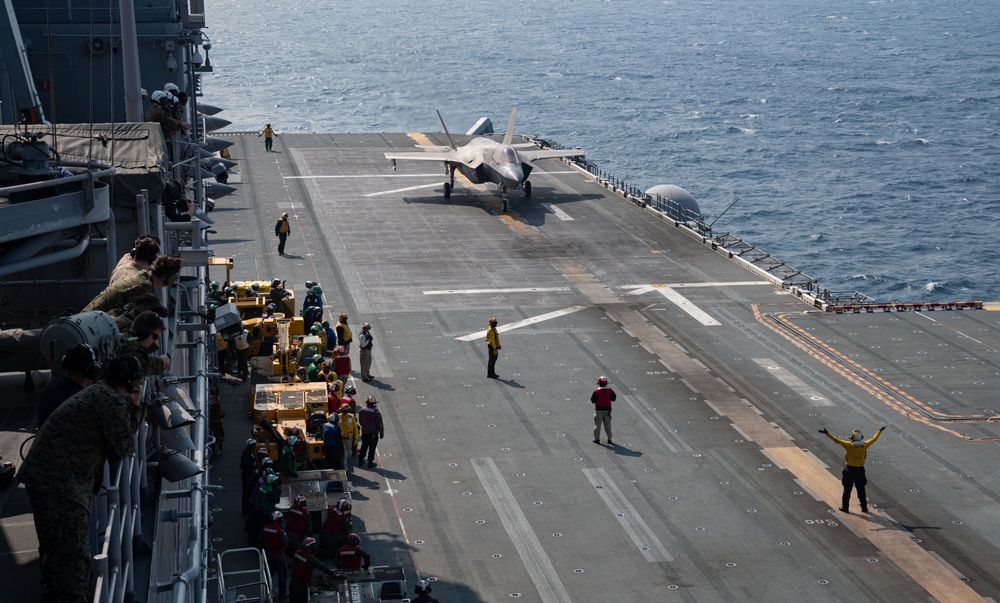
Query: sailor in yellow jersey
x=267 y=133
x=855 y=453
x=492 y=348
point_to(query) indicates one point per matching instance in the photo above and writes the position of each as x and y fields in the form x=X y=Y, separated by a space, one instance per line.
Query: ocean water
x=858 y=138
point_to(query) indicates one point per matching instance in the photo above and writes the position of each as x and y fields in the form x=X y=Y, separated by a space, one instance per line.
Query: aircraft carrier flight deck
x=718 y=486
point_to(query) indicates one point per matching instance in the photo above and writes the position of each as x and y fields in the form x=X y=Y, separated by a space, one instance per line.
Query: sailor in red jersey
x=337 y=527
x=351 y=556
x=602 y=398
x=303 y=564
x=273 y=540
x=297 y=523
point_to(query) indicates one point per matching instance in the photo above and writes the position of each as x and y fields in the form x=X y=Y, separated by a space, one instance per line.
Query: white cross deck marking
x=487 y=291
x=565 y=217
x=684 y=304
x=522 y=323
x=402 y=190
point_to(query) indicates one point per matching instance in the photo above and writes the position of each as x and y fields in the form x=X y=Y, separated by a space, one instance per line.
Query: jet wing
x=472 y=161
x=550 y=153
x=448 y=156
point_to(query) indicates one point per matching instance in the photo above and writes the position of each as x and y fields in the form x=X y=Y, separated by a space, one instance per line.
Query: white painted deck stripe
x=403 y=190
x=536 y=561
x=522 y=323
x=791 y=380
x=650 y=287
x=565 y=217
x=488 y=291
x=351 y=176
x=684 y=304
x=637 y=529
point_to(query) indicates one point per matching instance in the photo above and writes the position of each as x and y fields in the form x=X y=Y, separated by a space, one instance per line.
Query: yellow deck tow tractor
x=277 y=407
x=252 y=306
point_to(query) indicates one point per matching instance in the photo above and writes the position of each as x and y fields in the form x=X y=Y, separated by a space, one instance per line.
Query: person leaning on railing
x=63 y=472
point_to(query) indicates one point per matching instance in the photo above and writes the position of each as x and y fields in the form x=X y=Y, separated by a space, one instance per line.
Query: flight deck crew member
x=273 y=540
x=372 y=430
x=64 y=467
x=344 y=336
x=853 y=475
x=331 y=337
x=303 y=564
x=342 y=363
x=242 y=345
x=333 y=444
x=281 y=230
x=348 y=434
x=268 y=135
x=351 y=556
x=602 y=398
x=366 y=342
x=337 y=527
x=493 y=348
x=298 y=524
x=248 y=467
x=423 y=591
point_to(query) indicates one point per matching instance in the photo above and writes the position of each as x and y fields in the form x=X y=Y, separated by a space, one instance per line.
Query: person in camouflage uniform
x=64 y=467
x=144 y=334
x=144 y=251
x=138 y=290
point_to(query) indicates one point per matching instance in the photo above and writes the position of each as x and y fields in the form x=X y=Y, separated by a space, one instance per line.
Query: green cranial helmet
x=317 y=290
x=316 y=329
x=215 y=284
x=310 y=284
x=317 y=358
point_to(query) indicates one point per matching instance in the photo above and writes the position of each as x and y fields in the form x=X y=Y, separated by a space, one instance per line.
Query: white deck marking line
x=346 y=176
x=640 y=407
x=403 y=190
x=647 y=288
x=684 y=304
x=791 y=380
x=481 y=291
x=538 y=564
x=565 y=217
x=522 y=323
x=637 y=529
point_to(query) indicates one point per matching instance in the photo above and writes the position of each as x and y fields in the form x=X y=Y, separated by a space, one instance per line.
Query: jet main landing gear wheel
x=527 y=189
x=447 y=190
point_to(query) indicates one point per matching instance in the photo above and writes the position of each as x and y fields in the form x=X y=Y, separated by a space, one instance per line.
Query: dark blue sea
x=858 y=138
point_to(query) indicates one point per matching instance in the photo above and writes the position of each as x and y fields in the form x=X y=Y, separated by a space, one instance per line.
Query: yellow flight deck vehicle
x=282 y=409
x=289 y=352
x=277 y=408
x=252 y=302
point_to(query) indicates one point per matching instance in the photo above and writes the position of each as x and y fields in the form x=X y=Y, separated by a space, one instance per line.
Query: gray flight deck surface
x=718 y=486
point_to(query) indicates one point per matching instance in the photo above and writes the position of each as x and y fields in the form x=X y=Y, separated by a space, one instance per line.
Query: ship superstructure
x=81 y=176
